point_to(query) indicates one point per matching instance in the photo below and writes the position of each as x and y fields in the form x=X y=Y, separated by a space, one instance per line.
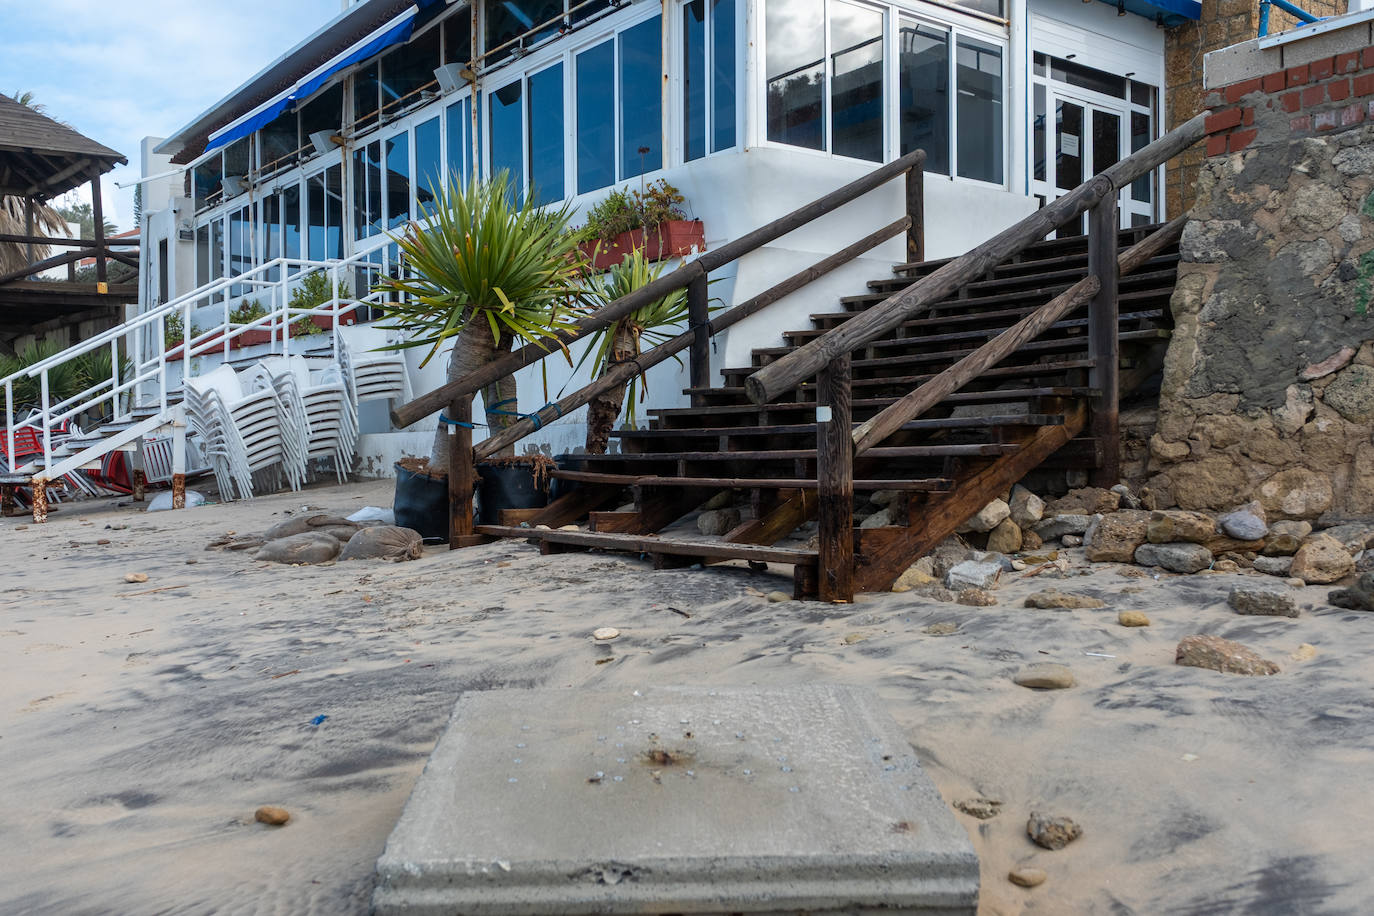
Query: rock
x=1173 y=525
x=1322 y=559
x=948 y=555
x=1351 y=394
x=1295 y=582
x=1053 y=598
x=1046 y=676
x=605 y=634
x=925 y=565
x=1133 y=619
x=1292 y=527
x=1243 y=525
x=1333 y=363
x=1358 y=597
x=1354 y=537
x=1071 y=540
x=778 y=597
x=1212 y=482
x=1281 y=545
x=972 y=574
x=715 y=522
x=270 y=814
x=943 y=628
x=1052 y=832
x=1027 y=877
x=1179 y=558
x=1115 y=537
x=1225 y=566
x=385 y=542
x=1167 y=451
x=1128 y=499
x=1273 y=566
x=1005 y=538
x=1059 y=525
x=722 y=500
x=1030 y=540
x=1085 y=501
x=1217 y=654
x=135 y=577
x=569 y=527
x=1026 y=507
x=1296 y=493
x=307 y=548
x=912 y=578
x=981 y=808
x=884 y=497
x=1262 y=601
x=880 y=519
x=987 y=518
x=976 y=597
x=1305 y=652
x=937 y=593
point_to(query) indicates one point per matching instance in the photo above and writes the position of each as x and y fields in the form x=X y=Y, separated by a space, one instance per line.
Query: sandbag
x=384 y=542
x=302 y=524
x=306 y=548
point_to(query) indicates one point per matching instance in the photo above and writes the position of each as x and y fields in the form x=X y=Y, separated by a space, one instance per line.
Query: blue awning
x=398 y=31
x=1166 y=12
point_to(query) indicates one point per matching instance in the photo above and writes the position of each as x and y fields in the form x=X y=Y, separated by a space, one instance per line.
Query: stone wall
x=1268 y=388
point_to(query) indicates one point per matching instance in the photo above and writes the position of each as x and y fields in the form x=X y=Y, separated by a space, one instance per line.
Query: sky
x=119 y=72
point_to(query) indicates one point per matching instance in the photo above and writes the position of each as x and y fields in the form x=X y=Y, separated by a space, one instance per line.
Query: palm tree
x=15 y=255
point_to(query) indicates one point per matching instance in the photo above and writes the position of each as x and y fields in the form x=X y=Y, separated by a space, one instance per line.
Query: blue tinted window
x=722 y=74
x=429 y=164
x=641 y=99
x=291 y=220
x=546 y=134
x=460 y=133
x=596 y=118
x=694 y=79
x=397 y=180
x=507 y=140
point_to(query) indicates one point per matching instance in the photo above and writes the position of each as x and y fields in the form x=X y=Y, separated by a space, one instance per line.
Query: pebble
x=1206 y=651
x=1045 y=675
x=981 y=808
x=569 y=528
x=777 y=597
x=1133 y=619
x=977 y=597
x=1053 y=598
x=190 y=562
x=944 y=628
x=1305 y=652
x=1295 y=582
x=1052 y=832
x=1027 y=877
x=605 y=633
x=269 y=814
x=135 y=577
x=103 y=541
x=1071 y=540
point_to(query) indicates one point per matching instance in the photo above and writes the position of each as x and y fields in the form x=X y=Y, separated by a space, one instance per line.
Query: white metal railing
x=142 y=342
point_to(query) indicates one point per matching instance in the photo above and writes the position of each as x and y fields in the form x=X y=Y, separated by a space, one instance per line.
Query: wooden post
x=1104 y=340
x=915 y=210
x=699 y=320
x=28 y=228
x=835 y=478
x=98 y=218
x=462 y=474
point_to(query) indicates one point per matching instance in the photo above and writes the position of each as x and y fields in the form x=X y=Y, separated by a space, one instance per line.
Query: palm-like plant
x=623 y=340
x=15 y=255
x=488 y=270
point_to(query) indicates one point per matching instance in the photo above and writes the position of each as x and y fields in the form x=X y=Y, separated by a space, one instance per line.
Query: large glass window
x=856 y=81
x=511 y=19
x=595 y=113
x=429 y=163
x=397 y=180
x=240 y=246
x=546 y=134
x=458 y=124
x=979 y=80
x=271 y=232
x=795 y=72
x=238 y=157
x=325 y=214
x=507 y=134
x=291 y=220
x=206 y=181
x=722 y=74
x=278 y=142
x=923 y=95
x=365 y=96
x=458 y=38
x=407 y=70
x=708 y=76
x=323 y=112
x=694 y=79
x=641 y=98
x=367 y=190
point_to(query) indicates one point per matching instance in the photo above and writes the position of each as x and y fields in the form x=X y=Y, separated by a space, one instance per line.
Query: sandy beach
x=142 y=724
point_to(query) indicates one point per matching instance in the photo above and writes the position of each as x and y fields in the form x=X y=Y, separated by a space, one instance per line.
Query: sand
x=139 y=731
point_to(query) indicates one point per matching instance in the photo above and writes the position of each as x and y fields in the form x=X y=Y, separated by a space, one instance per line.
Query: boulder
x=1060 y=525
x=1281 y=545
x=1175 y=525
x=1243 y=525
x=884 y=497
x=1053 y=598
x=1217 y=654
x=1322 y=559
x=1030 y=540
x=972 y=574
x=1115 y=537
x=988 y=518
x=1273 y=566
x=1179 y=558
x=1026 y=507
x=1291 y=527
x=1262 y=601
x=1212 y=482
x=913 y=578
x=1354 y=536
x=880 y=519
x=1005 y=538
x=385 y=542
x=300 y=549
x=1085 y=501
x=1351 y=394
x=1296 y=493
x=1358 y=597
x=715 y=522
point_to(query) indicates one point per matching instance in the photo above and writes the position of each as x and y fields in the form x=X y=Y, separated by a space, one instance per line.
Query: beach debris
x=1045 y=676
x=374 y=514
x=135 y=577
x=1262 y=601
x=384 y=542
x=852 y=638
x=1322 y=559
x=1133 y=619
x=271 y=815
x=1224 y=655
x=604 y=634
x=943 y=628
x=335 y=526
x=1184 y=557
x=163 y=501
x=304 y=549
x=102 y=542
x=979 y=807
x=777 y=597
x=1027 y=877
x=1358 y=597
x=319 y=720
x=149 y=591
x=1054 y=598
x=1052 y=832
x=1127 y=499
x=973 y=574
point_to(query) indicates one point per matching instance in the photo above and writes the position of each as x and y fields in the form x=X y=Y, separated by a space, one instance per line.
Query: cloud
x=118 y=72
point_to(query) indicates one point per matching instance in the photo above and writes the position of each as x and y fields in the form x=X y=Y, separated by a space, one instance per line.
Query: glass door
x=1075 y=138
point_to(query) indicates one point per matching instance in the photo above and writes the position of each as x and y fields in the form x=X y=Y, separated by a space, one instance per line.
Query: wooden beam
x=79 y=165
x=60 y=241
x=56 y=260
x=835 y=470
x=98 y=222
x=462 y=473
x=1104 y=345
x=915 y=211
x=699 y=321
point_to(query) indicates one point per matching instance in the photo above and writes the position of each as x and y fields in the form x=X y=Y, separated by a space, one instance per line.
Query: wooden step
x=1039 y=293
x=1047 y=248
x=919 y=485
x=734 y=389
x=963 y=397
x=915 y=340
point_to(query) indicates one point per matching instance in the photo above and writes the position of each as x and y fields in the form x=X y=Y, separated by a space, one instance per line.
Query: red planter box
x=672 y=239
x=258 y=335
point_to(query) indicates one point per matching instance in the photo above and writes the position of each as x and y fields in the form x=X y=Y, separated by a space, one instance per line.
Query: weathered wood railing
x=828 y=357
x=456 y=397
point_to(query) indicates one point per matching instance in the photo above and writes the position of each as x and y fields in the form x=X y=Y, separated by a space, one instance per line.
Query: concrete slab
x=675 y=800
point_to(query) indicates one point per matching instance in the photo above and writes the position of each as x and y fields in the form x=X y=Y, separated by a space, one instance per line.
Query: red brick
x=1348 y=63
x=1222 y=120
x=1302 y=124
x=1238 y=91
x=1297 y=75
x=1326 y=120
x=1322 y=69
x=1352 y=115
x=1240 y=140
x=1363 y=85
x=1248 y=117
x=1313 y=95
x=1216 y=145
x=1291 y=101
x=1338 y=89
x=1367 y=59
x=1274 y=82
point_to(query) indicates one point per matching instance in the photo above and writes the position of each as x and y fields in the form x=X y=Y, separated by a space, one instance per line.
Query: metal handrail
x=1293 y=10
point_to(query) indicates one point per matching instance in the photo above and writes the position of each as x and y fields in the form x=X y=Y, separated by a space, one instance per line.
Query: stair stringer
x=883 y=554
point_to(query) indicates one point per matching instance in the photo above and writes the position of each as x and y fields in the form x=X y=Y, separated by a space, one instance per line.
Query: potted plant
x=487 y=269
x=314 y=291
x=174 y=335
x=247 y=313
x=650 y=220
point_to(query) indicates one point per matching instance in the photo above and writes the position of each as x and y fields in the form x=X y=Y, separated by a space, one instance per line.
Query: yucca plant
x=63 y=378
x=624 y=340
x=489 y=270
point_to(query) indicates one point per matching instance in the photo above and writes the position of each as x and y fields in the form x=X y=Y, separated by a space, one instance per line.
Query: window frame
x=675 y=47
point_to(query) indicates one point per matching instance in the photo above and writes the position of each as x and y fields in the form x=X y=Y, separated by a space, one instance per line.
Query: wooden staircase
x=967 y=449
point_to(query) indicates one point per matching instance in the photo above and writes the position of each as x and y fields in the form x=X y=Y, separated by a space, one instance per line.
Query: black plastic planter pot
x=507 y=486
x=421 y=503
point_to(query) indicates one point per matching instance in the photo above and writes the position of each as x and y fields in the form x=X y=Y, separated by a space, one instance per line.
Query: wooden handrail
x=426 y=404
x=805 y=362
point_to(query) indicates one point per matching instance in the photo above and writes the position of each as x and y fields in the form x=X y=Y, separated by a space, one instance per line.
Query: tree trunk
x=473 y=349
x=501 y=396
x=604 y=409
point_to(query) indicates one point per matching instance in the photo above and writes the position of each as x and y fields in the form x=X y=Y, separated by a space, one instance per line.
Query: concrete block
x=675 y=800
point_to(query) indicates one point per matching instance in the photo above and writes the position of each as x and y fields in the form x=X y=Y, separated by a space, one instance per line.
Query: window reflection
x=397 y=180
x=924 y=93
x=856 y=88
x=722 y=74
x=795 y=31
x=546 y=134
x=507 y=141
x=429 y=166
x=641 y=98
x=694 y=79
x=979 y=77
x=595 y=112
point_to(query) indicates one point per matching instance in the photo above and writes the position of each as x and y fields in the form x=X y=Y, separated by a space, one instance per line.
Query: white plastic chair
x=246 y=432
x=372 y=374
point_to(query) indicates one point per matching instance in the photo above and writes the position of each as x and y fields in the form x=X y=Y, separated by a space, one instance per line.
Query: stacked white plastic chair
x=314 y=391
x=245 y=433
x=372 y=373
